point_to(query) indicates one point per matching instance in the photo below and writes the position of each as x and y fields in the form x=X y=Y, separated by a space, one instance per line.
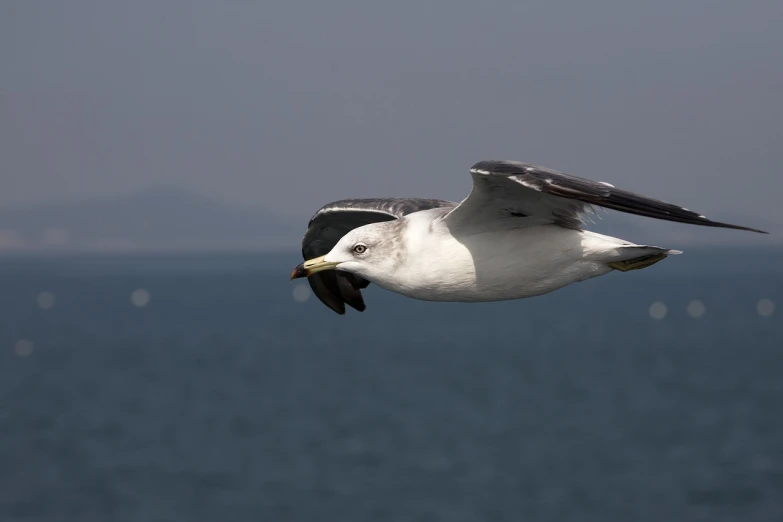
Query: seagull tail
x=635 y=257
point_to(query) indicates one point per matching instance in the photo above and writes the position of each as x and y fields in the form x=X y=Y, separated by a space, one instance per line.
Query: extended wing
x=332 y=222
x=509 y=188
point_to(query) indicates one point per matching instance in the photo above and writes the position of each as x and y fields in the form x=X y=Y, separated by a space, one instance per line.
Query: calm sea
x=212 y=388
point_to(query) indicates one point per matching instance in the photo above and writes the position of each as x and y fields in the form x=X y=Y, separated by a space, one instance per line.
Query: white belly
x=499 y=265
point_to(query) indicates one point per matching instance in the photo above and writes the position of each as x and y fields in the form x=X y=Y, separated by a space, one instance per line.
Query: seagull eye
x=359 y=249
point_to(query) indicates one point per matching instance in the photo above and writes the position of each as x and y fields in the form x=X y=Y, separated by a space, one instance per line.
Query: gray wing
x=514 y=189
x=332 y=222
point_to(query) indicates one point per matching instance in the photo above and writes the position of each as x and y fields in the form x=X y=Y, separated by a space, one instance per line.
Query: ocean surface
x=212 y=388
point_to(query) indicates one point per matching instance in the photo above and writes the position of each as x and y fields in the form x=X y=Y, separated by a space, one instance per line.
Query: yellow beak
x=312 y=266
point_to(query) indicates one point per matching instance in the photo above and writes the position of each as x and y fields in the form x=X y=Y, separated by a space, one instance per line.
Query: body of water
x=210 y=388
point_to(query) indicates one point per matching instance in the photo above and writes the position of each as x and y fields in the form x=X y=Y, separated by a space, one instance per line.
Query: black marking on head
x=392 y=242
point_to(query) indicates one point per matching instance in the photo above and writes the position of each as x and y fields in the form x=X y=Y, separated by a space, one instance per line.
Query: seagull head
x=368 y=251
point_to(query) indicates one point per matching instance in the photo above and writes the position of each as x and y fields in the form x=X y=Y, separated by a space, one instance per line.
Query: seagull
x=520 y=233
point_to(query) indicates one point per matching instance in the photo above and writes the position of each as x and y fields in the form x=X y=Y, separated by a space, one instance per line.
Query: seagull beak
x=312 y=266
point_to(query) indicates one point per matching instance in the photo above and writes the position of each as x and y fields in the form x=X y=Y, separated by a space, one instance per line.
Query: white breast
x=496 y=265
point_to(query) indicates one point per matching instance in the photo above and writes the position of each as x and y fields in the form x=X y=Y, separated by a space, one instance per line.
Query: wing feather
x=548 y=195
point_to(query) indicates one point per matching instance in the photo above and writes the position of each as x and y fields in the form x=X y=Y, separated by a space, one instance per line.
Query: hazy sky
x=289 y=105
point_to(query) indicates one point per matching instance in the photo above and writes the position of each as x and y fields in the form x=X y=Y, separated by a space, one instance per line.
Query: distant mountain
x=159 y=219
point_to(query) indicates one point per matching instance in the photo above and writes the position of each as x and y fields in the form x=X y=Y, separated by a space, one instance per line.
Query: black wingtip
x=617 y=199
x=735 y=227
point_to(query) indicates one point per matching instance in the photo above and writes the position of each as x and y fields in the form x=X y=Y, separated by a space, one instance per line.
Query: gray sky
x=285 y=106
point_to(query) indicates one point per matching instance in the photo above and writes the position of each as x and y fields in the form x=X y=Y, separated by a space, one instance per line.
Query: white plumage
x=518 y=234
